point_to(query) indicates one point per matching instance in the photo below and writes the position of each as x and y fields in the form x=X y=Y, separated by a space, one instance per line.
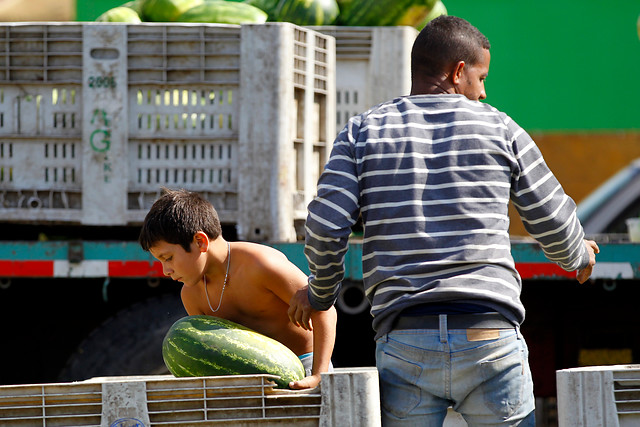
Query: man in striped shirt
x=431 y=176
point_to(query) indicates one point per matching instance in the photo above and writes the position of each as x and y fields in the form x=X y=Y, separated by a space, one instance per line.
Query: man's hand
x=307 y=382
x=593 y=249
x=300 y=310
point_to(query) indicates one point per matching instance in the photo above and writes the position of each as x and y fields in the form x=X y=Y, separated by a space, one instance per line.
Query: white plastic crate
x=95 y=118
x=373 y=65
x=598 y=396
x=345 y=397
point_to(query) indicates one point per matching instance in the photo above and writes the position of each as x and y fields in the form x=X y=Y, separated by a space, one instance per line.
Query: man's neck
x=432 y=86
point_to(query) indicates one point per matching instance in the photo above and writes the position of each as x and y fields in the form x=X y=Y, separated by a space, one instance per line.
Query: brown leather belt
x=455 y=321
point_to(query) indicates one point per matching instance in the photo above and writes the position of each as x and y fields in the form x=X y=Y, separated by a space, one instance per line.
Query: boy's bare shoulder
x=257 y=253
x=263 y=261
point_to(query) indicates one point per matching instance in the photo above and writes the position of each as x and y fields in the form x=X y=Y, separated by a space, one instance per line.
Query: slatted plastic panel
x=312 y=74
x=372 y=66
x=40 y=122
x=626 y=388
x=51 y=405
x=183 y=113
x=229 y=400
x=345 y=397
x=159 y=401
x=41 y=53
x=599 y=396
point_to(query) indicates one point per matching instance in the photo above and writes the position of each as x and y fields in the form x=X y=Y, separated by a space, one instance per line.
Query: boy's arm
x=294 y=282
x=323 y=325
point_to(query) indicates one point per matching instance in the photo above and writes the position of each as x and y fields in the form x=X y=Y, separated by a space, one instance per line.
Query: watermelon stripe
x=307 y=12
x=379 y=13
x=176 y=367
x=185 y=344
x=224 y=12
x=284 y=7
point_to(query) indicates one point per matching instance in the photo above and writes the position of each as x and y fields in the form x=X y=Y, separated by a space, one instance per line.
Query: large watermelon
x=119 y=14
x=165 y=10
x=205 y=345
x=384 y=12
x=438 y=9
x=306 y=12
x=268 y=6
x=134 y=5
x=223 y=12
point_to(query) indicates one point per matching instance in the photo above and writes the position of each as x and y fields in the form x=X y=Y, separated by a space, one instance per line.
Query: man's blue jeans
x=485 y=379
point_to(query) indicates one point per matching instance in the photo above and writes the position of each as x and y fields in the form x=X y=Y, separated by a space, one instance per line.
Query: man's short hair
x=442 y=43
x=176 y=217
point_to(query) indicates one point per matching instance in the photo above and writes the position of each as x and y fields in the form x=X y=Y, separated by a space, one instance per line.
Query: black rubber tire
x=129 y=343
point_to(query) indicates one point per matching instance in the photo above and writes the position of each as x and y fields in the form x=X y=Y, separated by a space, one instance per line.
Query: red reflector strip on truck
x=135 y=269
x=541 y=270
x=90 y=268
x=26 y=268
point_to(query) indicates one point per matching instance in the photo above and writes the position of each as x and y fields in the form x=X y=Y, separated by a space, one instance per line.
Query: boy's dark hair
x=443 y=42
x=176 y=217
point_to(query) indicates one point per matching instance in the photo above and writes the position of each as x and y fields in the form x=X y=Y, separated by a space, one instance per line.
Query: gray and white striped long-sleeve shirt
x=432 y=176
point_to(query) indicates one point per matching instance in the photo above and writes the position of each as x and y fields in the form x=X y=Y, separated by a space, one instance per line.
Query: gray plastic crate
x=373 y=65
x=96 y=118
x=345 y=397
x=599 y=396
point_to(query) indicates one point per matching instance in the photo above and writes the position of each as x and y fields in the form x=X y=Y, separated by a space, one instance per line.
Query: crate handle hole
x=104 y=53
x=34 y=202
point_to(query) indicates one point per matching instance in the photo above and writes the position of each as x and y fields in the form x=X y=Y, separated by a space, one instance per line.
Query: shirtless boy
x=247 y=283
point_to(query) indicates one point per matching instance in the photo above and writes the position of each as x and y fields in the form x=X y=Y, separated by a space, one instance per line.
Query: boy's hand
x=300 y=309
x=585 y=273
x=307 y=382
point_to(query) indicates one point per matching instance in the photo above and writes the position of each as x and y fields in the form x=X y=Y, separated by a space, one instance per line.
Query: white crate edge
x=587 y=396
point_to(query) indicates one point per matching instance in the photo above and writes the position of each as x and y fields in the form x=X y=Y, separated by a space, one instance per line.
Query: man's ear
x=202 y=241
x=456 y=75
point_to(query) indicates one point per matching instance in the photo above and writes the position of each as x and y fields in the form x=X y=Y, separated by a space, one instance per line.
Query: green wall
x=561 y=65
x=89 y=10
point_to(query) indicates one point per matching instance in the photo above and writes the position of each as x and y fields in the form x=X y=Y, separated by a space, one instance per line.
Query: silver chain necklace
x=224 y=285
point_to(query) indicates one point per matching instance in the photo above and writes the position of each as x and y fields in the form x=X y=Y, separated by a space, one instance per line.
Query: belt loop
x=443 y=327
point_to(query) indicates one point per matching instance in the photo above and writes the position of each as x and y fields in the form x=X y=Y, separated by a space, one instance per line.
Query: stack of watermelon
x=415 y=13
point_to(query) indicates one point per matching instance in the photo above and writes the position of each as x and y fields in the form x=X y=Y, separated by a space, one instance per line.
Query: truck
x=96 y=118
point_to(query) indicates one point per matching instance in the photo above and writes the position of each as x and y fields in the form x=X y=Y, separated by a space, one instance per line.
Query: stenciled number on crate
x=100 y=139
x=102 y=82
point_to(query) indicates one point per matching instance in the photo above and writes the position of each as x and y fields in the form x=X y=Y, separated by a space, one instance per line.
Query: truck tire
x=129 y=343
